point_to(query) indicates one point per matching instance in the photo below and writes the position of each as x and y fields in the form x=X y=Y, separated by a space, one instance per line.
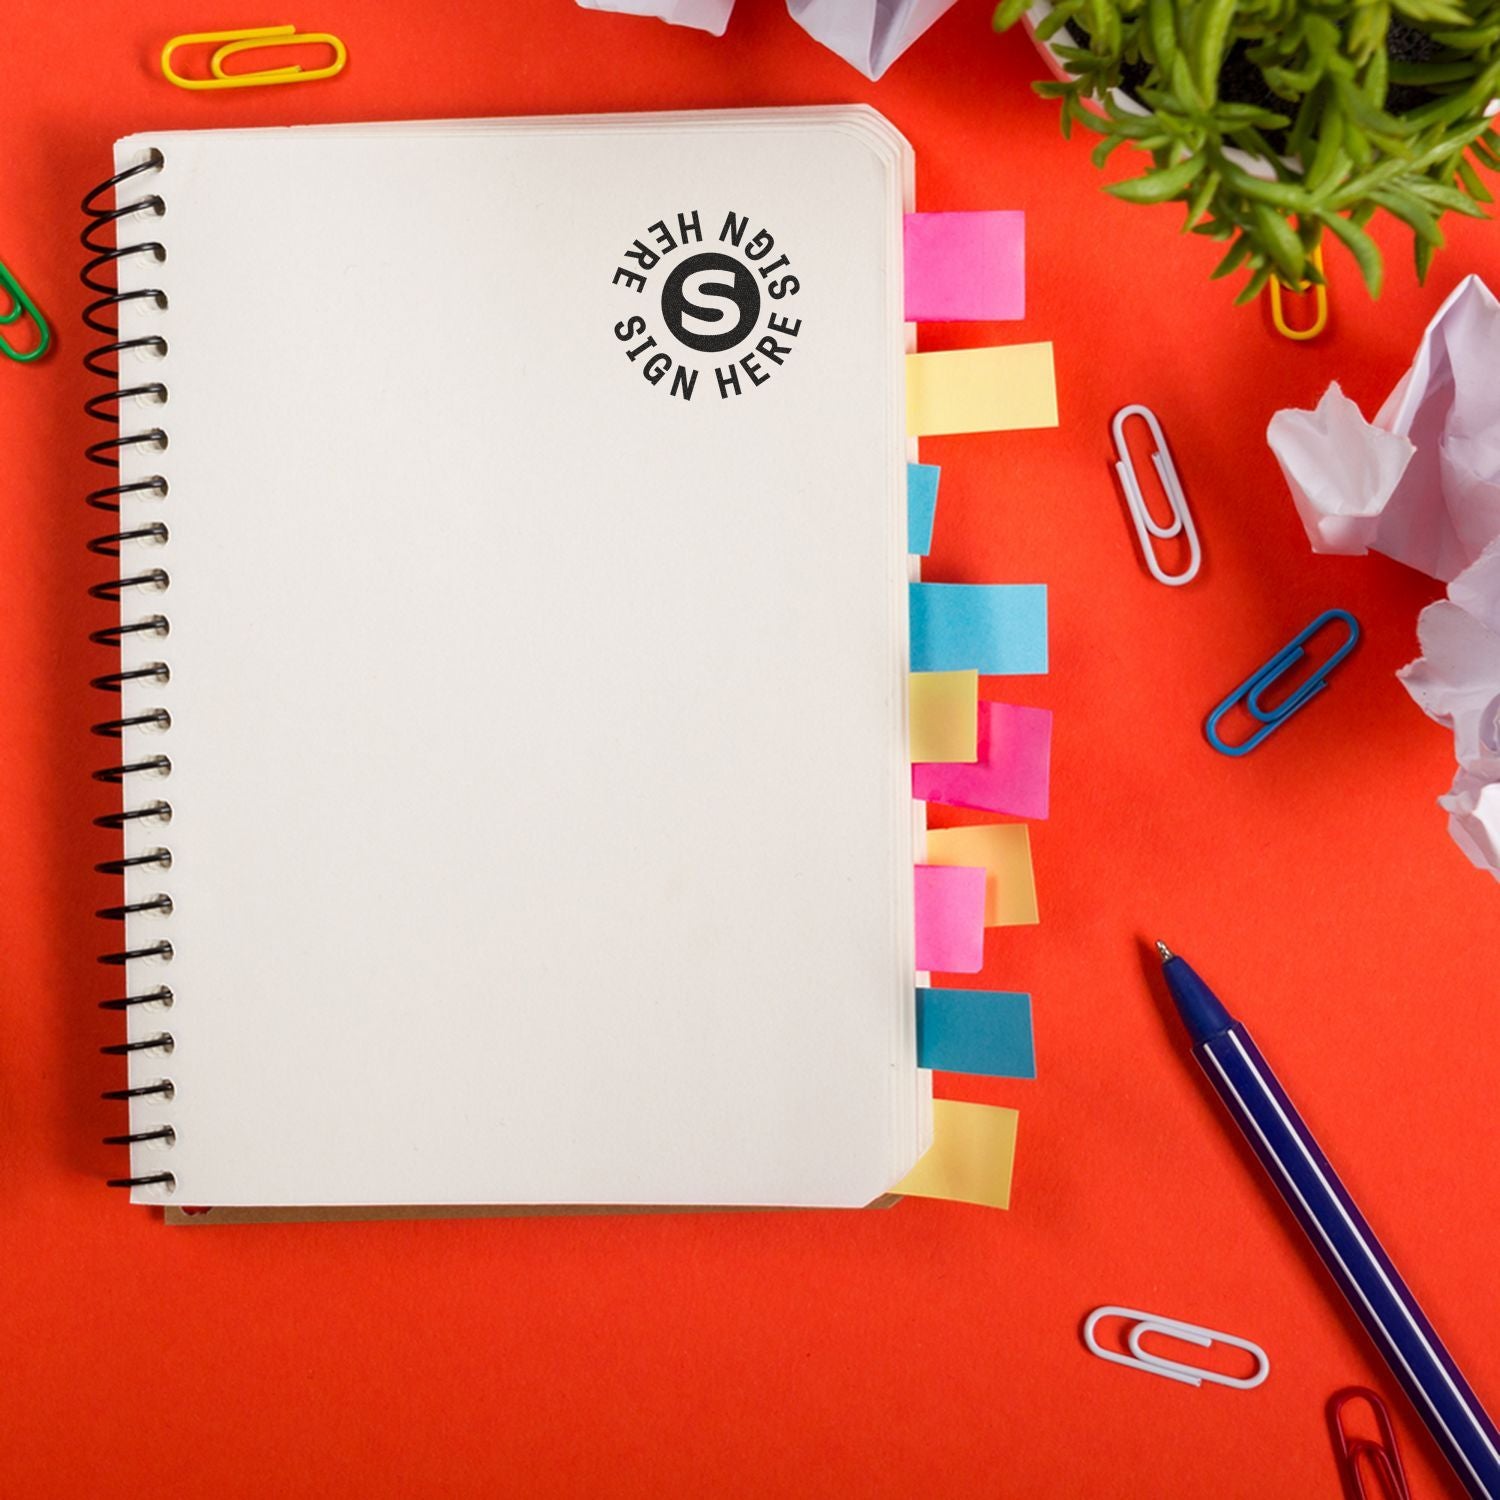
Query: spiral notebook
x=512 y=545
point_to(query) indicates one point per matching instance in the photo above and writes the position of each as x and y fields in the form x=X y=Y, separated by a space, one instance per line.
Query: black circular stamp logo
x=688 y=293
x=710 y=302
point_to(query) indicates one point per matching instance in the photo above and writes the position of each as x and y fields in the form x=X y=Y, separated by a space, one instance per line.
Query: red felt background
x=933 y=1349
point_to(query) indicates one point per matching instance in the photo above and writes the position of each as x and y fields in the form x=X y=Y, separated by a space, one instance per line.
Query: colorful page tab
x=944 y=709
x=987 y=1032
x=1004 y=850
x=965 y=267
x=950 y=919
x=972 y=1159
x=921 y=506
x=997 y=389
x=1010 y=773
x=997 y=628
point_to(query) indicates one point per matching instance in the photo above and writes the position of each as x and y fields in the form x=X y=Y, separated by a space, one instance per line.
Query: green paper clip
x=22 y=304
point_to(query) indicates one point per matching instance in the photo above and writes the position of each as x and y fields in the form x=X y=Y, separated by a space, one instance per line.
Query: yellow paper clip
x=245 y=40
x=1319 y=291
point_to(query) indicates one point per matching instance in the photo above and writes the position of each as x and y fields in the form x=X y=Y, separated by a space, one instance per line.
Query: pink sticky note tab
x=950 y=918
x=1010 y=774
x=965 y=267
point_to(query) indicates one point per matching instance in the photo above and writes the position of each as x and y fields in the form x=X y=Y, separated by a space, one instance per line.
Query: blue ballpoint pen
x=1274 y=1129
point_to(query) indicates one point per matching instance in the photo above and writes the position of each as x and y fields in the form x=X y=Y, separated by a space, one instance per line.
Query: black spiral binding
x=104 y=361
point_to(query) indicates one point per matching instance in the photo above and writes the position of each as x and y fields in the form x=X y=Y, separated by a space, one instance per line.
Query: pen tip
x=1162 y=948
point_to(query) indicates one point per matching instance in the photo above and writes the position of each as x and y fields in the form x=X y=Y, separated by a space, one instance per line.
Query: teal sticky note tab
x=976 y=1031
x=995 y=628
x=921 y=506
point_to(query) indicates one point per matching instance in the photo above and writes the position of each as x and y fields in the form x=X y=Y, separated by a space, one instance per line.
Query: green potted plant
x=1276 y=121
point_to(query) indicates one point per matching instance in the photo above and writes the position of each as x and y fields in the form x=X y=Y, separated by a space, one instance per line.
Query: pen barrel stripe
x=1355 y=1258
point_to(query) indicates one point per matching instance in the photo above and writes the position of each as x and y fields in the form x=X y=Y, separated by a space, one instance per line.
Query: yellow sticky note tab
x=972 y=1158
x=944 y=716
x=1004 y=849
x=996 y=389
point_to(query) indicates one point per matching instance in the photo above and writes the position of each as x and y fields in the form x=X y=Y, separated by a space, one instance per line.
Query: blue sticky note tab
x=995 y=628
x=921 y=506
x=975 y=1031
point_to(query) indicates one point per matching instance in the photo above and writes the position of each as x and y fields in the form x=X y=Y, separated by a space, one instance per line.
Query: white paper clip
x=1146 y=528
x=1188 y=1333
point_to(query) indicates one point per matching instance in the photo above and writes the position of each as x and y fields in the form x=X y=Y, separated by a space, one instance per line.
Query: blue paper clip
x=1253 y=688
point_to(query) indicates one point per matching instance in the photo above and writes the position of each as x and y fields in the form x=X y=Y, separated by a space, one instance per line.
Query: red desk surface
x=933 y=1349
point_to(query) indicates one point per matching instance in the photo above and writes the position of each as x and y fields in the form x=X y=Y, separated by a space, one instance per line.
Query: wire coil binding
x=100 y=276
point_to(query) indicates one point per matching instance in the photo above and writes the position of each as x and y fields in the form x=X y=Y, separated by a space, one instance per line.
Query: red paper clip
x=1355 y=1455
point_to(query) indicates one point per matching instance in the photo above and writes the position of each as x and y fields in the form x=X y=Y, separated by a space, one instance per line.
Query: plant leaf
x=1289 y=84
x=1421 y=74
x=1410 y=210
x=1441 y=196
x=1330 y=163
x=1431 y=12
x=1234 y=258
x=1158 y=186
x=1049 y=26
x=1485 y=150
x=1422 y=253
x=1180 y=76
x=1473 y=182
x=1356 y=143
x=1365 y=251
x=1281 y=242
x=1102 y=152
x=1104 y=23
x=1252 y=288
x=1282 y=195
x=1470 y=39
x=1211 y=32
x=1161 y=28
x=1252 y=115
x=1313 y=116
x=1203 y=195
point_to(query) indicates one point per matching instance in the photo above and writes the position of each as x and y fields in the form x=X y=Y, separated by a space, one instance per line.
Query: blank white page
x=541 y=825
